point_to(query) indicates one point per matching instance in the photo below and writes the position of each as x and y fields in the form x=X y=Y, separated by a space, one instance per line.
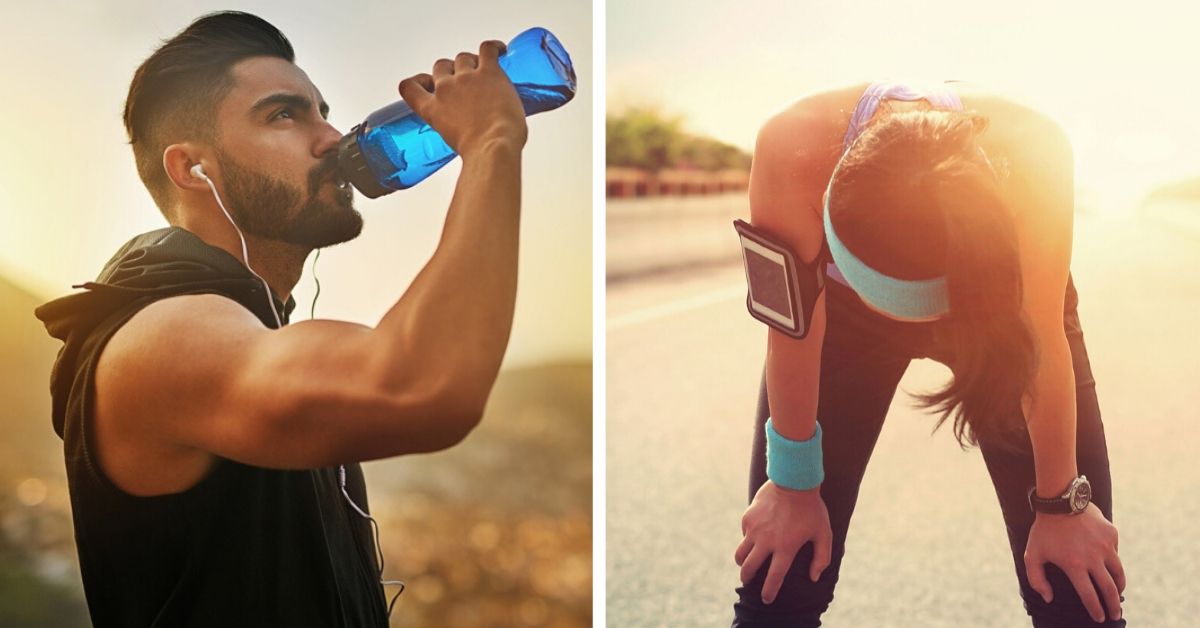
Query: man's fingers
x=417 y=90
x=424 y=80
x=490 y=51
x=442 y=68
x=753 y=562
x=1108 y=589
x=1087 y=593
x=743 y=550
x=822 y=546
x=1035 y=569
x=780 y=563
x=465 y=61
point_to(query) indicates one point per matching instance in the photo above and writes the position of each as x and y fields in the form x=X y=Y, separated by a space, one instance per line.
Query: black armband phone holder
x=782 y=291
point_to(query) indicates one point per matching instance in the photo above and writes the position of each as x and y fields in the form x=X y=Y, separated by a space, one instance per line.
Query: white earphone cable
x=199 y=172
x=375 y=530
x=312 y=312
x=245 y=254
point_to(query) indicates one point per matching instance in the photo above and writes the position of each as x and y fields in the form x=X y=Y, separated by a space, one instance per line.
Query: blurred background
x=497 y=531
x=688 y=86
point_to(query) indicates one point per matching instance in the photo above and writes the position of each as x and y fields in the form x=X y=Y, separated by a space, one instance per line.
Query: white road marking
x=678 y=306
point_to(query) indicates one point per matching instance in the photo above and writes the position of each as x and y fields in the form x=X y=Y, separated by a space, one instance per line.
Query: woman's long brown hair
x=917 y=198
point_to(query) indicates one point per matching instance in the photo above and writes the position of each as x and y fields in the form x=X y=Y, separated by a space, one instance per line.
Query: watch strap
x=1063 y=504
x=1054 y=506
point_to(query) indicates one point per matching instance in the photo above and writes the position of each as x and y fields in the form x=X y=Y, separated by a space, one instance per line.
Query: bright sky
x=70 y=194
x=1121 y=80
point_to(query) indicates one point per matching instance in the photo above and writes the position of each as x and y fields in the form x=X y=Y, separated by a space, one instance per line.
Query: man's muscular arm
x=202 y=374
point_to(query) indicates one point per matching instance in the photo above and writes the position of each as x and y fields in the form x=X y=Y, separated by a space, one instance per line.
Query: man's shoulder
x=169 y=346
x=178 y=320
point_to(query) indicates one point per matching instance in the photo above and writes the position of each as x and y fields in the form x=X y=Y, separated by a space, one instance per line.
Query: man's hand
x=777 y=524
x=469 y=101
x=1084 y=546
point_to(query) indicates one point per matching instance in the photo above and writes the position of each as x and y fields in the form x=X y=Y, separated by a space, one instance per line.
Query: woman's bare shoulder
x=1031 y=147
x=829 y=107
x=805 y=135
x=1013 y=117
x=794 y=155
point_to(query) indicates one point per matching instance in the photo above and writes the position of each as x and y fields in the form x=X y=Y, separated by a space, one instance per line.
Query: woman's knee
x=1065 y=609
x=800 y=601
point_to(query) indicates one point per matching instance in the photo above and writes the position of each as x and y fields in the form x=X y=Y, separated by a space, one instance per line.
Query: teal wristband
x=794 y=464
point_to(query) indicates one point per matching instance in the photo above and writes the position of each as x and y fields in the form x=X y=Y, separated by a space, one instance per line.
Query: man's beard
x=263 y=206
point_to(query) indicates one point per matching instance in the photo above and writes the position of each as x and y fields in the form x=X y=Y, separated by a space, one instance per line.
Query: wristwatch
x=1072 y=502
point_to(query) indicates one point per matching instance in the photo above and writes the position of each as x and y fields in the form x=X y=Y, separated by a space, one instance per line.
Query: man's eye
x=282 y=112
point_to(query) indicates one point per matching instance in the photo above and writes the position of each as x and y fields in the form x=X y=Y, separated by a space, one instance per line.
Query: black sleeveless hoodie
x=247 y=546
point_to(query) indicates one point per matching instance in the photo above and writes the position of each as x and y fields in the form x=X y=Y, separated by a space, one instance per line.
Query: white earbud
x=198 y=172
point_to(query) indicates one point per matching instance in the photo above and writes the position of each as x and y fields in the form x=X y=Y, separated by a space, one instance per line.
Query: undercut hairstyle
x=175 y=93
x=916 y=198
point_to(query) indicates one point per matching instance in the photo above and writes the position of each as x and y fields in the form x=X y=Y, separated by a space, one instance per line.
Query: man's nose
x=328 y=141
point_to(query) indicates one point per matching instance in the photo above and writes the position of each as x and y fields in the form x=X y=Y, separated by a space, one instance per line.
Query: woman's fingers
x=1108 y=589
x=822 y=547
x=1087 y=593
x=1113 y=564
x=743 y=550
x=780 y=563
x=1035 y=570
x=755 y=560
x=780 y=522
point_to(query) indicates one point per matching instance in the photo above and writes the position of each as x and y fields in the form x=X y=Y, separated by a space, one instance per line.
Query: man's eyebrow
x=295 y=100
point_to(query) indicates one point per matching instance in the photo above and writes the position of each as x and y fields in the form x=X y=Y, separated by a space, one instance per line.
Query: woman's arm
x=784 y=200
x=1083 y=546
x=785 y=197
x=1041 y=187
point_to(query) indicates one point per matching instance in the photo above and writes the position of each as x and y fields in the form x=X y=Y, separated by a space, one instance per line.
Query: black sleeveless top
x=247 y=546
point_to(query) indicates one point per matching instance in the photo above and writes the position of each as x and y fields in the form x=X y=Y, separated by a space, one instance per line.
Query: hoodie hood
x=152 y=266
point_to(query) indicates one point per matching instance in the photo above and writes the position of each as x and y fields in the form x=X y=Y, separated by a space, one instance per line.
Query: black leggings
x=863 y=358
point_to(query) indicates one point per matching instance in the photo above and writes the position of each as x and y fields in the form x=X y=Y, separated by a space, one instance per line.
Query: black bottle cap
x=353 y=167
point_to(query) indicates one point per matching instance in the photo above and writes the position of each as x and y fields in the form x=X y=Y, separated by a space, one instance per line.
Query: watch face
x=1081 y=497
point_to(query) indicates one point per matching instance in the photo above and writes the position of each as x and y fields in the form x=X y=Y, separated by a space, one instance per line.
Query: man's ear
x=178 y=160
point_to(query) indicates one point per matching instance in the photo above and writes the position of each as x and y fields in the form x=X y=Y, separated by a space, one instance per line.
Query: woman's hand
x=777 y=524
x=1084 y=546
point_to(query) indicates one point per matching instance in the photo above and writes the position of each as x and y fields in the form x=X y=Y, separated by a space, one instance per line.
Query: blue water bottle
x=394 y=148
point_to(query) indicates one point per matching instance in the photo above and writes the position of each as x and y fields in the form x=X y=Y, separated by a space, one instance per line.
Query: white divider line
x=678 y=306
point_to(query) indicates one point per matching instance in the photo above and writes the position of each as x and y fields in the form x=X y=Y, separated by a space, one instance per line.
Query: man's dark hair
x=175 y=92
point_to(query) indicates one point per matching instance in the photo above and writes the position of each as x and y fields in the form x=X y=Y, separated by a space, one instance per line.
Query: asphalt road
x=684 y=361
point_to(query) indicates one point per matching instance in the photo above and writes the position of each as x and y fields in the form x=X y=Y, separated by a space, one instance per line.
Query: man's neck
x=280 y=264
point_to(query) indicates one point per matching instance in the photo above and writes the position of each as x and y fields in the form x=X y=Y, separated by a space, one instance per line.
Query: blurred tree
x=642 y=138
x=704 y=153
x=647 y=139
